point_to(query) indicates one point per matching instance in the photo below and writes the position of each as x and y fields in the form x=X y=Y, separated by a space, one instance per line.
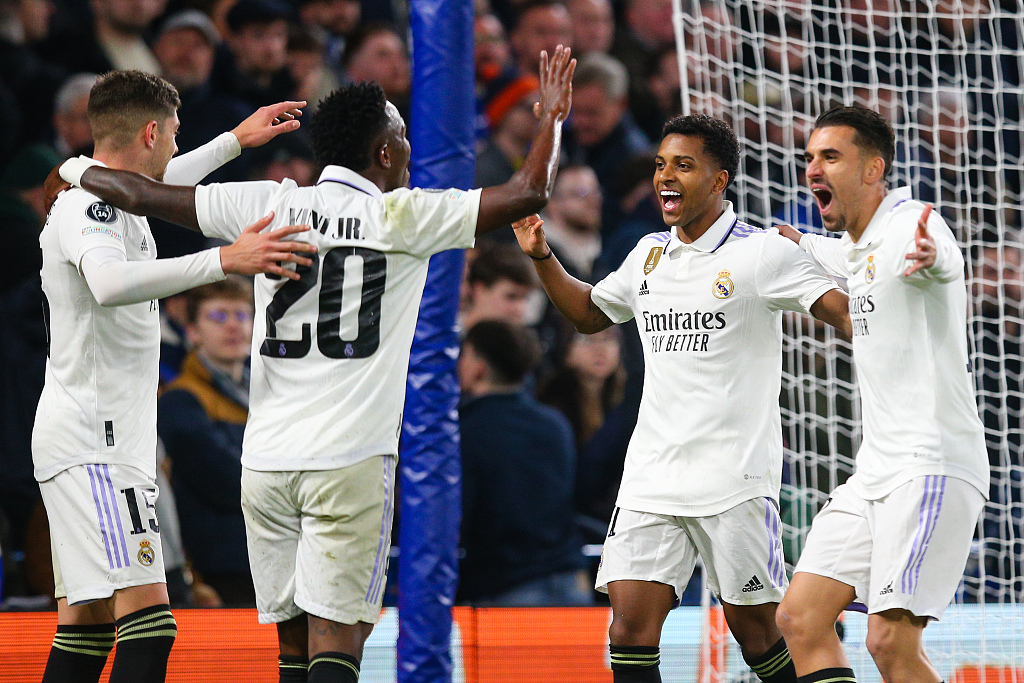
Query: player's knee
x=795 y=624
x=883 y=644
x=632 y=630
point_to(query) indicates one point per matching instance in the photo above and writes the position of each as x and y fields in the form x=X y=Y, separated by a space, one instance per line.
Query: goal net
x=948 y=75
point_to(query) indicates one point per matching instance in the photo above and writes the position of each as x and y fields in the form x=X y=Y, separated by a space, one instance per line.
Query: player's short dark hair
x=232 y=288
x=873 y=133
x=123 y=101
x=346 y=125
x=499 y=261
x=510 y=351
x=719 y=140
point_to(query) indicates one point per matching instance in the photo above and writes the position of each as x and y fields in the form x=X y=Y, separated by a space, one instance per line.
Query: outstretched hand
x=53 y=186
x=789 y=232
x=530 y=233
x=555 y=83
x=257 y=252
x=268 y=122
x=924 y=257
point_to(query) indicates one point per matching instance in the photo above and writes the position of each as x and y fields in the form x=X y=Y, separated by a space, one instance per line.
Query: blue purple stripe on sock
x=379 y=562
x=927 y=519
x=117 y=514
x=99 y=517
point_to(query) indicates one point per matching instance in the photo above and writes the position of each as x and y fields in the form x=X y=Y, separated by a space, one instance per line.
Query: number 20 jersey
x=330 y=351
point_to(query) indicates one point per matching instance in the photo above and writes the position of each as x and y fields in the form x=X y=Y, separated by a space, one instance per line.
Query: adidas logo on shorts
x=753 y=585
x=886 y=590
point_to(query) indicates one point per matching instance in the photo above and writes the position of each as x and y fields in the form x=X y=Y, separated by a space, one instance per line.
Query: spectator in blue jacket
x=201 y=419
x=518 y=477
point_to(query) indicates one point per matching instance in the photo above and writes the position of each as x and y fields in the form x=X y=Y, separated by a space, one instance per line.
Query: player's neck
x=122 y=159
x=869 y=206
x=695 y=229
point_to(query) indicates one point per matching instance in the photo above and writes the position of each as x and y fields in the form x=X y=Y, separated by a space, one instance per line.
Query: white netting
x=948 y=74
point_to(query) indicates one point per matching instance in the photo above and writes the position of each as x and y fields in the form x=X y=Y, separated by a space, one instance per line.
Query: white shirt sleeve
x=190 y=168
x=828 y=252
x=614 y=294
x=115 y=281
x=949 y=261
x=84 y=222
x=787 y=276
x=225 y=209
x=430 y=221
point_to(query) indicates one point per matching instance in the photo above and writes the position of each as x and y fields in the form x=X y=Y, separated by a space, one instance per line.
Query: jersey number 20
x=328 y=322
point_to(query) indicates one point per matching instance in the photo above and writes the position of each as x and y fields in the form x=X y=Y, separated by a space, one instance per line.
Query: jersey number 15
x=328 y=322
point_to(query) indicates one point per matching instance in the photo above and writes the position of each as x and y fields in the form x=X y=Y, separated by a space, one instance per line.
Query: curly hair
x=873 y=132
x=346 y=124
x=719 y=140
x=122 y=101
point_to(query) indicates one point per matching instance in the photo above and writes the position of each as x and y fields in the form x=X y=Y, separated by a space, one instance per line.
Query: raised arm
x=570 y=296
x=527 y=191
x=135 y=193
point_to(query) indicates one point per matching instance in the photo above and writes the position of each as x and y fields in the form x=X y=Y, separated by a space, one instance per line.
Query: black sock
x=836 y=675
x=144 y=640
x=292 y=668
x=79 y=653
x=774 y=666
x=333 y=667
x=635 y=664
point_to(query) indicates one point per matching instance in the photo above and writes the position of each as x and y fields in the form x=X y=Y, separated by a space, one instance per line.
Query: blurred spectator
x=572 y=220
x=32 y=80
x=513 y=126
x=518 y=476
x=499 y=283
x=539 y=25
x=255 y=68
x=646 y=29
x=308 y=66
x=22 y=334
x=201 y=420
x=588 y=390
x=286 y=156
x=495 y=70
x=375 y=52
x=601 y=132
x=332 y=22
x=593 y=26
x=116 y=38
x=70 y=116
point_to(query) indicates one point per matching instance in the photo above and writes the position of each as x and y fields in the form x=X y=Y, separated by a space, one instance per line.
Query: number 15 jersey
x=330 y=352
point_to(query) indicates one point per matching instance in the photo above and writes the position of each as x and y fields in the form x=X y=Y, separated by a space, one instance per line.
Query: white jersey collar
x=873 y=232
x=346 y=176
x=713 y=237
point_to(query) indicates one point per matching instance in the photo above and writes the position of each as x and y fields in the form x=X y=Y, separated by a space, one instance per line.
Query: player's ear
x=875 y=170
x=721 y=181
x=384 y=156
x=149 y=132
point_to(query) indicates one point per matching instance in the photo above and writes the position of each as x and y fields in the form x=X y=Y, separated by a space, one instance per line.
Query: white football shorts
x=103 y=531
x=319 y=540
x=741 y=549
x=906 y=550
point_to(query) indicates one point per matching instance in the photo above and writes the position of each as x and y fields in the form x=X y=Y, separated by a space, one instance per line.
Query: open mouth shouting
x=670 y=200
x=823 y=196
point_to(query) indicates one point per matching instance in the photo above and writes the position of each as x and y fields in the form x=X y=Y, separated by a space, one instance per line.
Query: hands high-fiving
x=924 y=257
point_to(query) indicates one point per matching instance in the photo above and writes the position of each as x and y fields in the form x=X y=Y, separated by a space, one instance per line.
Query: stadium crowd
x=563 y=405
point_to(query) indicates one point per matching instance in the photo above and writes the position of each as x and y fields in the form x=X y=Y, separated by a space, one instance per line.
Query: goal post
x=949 y=76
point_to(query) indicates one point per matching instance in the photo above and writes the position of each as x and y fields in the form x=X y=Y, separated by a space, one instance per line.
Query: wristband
x=542 y=258
x=72 y=169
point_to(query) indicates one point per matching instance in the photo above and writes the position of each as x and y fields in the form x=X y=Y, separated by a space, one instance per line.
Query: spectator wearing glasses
x=201 y=419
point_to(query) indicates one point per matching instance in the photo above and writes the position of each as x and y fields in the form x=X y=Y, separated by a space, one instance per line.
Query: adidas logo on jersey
x=145 y=245
x=753 y=585
x=643 y=288
x=887 y=590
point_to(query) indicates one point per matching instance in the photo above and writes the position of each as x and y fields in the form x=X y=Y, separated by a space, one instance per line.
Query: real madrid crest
x=146 y=553
x=652 y=259
x=869 y=274
x=723 y=286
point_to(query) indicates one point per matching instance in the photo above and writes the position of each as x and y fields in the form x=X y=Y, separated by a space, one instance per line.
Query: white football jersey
x=709 y=433
x=99 y=397
x=330 y=352
x=910 y=348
